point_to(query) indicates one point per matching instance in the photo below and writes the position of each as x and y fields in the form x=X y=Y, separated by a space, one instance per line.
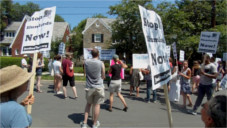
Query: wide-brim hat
x=12 y=77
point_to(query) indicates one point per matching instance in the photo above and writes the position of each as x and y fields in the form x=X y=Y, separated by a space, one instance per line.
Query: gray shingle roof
x=107 y=21
x=59 y=30
x=13 y=26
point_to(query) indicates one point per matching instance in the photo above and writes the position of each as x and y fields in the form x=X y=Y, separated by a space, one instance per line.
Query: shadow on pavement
x=78 y=117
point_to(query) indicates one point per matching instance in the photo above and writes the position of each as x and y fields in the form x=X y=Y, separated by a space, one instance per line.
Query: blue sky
x=74 y=11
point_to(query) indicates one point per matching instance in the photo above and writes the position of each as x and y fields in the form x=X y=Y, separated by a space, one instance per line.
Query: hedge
x=8 y=61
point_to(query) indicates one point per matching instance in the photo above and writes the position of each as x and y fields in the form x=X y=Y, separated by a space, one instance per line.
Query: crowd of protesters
x=202 y=79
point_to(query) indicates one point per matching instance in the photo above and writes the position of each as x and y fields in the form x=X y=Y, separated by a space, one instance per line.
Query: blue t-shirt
x=14 y=115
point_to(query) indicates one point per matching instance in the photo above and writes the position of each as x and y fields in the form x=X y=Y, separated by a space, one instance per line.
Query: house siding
x=18 y=42
x=93 y=29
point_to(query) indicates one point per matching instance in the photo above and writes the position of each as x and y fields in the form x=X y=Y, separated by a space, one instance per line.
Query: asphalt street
x=51 y=110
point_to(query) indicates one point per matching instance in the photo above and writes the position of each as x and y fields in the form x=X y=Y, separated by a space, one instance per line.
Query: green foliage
x=78 y=70
x=77 y=40
x=5 y=12
x=58 y=18
x=7 y=61
x=19 y=11
x=54 y=48
x=127 y=28
x=99 y=15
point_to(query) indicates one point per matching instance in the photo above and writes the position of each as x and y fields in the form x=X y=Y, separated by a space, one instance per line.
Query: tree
x=127 y=28
x=77 y=40
x=5 y=14
x=19 y=11
x=58 y=18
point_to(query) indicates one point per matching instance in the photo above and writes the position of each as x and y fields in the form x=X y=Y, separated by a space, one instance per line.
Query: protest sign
x=181 y=56
x=156 y=46
x=208 y=42
x=37 y=38
x=61 y=48
x=168 y=50
x=140 y=60
x=38 y=31
x=107 y=54
x=174 y=50
x=46 y=54
x=217 y=60
x=224 y=56
x=87 y=53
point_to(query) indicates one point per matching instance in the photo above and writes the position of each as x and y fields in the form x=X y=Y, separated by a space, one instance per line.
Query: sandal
x=39 y=91
x=189 y=105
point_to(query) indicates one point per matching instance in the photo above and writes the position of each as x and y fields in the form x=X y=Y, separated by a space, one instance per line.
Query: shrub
x=8 y=61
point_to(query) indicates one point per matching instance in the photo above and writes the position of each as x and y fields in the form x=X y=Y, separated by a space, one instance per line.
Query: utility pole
x=213 y=14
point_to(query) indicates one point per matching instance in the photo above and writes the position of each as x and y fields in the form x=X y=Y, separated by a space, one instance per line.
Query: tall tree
x=5 y=14
x=127 y=28
x=19 y=11
x=58 y=18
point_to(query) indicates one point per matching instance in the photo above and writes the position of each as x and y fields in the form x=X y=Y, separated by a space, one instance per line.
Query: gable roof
x=105 y=21
x=58 y=28
x=13 y=27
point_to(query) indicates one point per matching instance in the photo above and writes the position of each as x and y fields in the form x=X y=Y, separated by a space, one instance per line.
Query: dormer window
x=97 y=25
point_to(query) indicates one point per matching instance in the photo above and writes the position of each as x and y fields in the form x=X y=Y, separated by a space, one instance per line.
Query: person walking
x=39 y=70
x=13 y=114
x=68 y=75
x=134 y=81
x=174 y=93
x=115 y=83
x=24 y=64
x=94 y=70
x=147 y=77
x=221 y=73
x=57 y=74
x=185 y=76
x=207 y=73
x=196 y=77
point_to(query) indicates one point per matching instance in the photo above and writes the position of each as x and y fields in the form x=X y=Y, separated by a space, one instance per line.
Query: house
x=61 y=32
x=9 y=34
x=98 y=32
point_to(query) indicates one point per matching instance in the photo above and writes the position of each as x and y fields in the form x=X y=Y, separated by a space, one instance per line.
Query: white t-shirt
x=57 y=65
x=23 y=62
x=210 y=69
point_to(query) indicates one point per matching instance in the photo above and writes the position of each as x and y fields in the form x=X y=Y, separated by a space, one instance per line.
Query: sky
x=74 y=11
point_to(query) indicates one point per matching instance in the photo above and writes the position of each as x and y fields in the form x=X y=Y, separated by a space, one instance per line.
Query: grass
x=49 y=77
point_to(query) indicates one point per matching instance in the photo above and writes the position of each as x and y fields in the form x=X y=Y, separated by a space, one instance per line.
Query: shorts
x=58 y=76
x=39 y=73
x=186 y=89
x=95 y=95
x=70 y=79
x=196 y=79
x=115 y=86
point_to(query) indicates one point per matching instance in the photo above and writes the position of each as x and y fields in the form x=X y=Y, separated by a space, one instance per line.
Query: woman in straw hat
x=13 y=83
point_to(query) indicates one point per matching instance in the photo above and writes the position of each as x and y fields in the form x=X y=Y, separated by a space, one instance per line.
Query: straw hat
x=12 y=77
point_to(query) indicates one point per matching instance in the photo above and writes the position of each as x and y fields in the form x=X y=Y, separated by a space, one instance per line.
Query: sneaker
x=83 y=125
x=97 y=125
x=155 y=101
x=59 y=92
x=192 y=112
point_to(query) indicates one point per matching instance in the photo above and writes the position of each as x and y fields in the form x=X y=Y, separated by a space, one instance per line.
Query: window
x=97 y=38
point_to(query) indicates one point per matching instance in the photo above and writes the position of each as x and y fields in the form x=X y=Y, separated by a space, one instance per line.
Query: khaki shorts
x=95 y=95
x=115 y=86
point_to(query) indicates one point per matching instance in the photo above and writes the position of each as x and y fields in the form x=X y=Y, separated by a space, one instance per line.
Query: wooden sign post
x=168 y=106
x=32 y=81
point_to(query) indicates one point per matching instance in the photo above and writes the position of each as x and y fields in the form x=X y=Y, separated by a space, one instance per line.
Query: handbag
x=68 y=71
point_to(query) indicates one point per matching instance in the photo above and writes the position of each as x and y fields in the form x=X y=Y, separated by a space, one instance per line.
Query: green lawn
x=49 y=77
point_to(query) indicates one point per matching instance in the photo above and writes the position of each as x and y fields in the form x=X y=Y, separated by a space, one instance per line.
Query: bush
x=8 y=61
